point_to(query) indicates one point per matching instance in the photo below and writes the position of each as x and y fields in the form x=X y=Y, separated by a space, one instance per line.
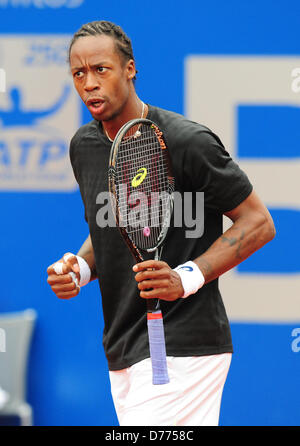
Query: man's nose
x=91 y=82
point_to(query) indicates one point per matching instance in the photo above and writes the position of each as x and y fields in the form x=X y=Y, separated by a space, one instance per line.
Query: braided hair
x=98 y=28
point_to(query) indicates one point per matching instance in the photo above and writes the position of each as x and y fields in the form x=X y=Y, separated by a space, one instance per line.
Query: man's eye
x=78 y=74
x=101 y=69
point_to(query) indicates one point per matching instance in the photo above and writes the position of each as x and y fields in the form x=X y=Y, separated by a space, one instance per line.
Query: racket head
x=141 y=184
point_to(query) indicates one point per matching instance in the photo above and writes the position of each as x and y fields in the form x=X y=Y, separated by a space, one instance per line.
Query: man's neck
x=132 y=110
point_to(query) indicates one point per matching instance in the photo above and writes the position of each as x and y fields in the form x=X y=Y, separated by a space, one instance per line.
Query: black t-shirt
x=194 y=326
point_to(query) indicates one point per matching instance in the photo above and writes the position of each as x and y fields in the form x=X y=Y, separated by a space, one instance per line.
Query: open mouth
x=94 y=104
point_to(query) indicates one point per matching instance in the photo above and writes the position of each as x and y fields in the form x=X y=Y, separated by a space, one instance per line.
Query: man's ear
x=131 y=71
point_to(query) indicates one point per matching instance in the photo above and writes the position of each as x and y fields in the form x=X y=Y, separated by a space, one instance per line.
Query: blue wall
x=68 y=380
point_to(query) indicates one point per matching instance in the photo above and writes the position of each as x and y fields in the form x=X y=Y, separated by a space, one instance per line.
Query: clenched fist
x=64 y=276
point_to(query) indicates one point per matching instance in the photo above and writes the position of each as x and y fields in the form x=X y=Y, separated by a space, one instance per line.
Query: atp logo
x=39 y=113
x=17 y=115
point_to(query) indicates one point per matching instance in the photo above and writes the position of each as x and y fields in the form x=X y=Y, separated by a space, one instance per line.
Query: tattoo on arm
x=233 y=241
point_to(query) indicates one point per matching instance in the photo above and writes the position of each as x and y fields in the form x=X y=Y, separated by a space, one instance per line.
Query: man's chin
x=96 y=117
x=102 y=116
x=99 y=116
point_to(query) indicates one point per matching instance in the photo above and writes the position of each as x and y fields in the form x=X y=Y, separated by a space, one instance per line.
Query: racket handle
x=157 y=348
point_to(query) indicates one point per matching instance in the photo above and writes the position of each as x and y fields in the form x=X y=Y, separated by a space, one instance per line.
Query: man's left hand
x=157 y=280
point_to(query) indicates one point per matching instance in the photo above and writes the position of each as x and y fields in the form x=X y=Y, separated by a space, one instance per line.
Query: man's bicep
x=252 y=206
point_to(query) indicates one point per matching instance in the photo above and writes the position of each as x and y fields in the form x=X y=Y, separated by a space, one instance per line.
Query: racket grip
x=157 y=348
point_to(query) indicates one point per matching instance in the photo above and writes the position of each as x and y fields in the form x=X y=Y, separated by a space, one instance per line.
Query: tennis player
x=197 y=331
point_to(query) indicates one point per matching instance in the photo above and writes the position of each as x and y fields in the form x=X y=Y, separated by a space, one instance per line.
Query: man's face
x=101 y=78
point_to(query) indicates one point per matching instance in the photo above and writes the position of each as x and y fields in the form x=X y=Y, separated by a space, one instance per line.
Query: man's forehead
x=94 y=46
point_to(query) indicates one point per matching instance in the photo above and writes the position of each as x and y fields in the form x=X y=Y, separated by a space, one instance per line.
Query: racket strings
x=144 y=187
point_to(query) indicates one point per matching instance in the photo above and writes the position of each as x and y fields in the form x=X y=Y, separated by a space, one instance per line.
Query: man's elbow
x=268 y=230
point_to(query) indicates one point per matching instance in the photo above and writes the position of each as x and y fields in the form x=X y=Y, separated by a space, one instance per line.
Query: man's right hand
x=60 y=280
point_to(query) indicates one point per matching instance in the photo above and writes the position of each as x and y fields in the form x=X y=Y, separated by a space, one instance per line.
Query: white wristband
x=84 y=270
x=191 y=277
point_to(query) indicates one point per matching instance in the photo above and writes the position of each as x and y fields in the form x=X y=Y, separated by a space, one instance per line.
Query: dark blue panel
x=263 y=380
x=268 y=131
x=278 y=256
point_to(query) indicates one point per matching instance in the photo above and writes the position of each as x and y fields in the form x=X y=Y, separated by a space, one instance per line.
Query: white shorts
x=191 y=398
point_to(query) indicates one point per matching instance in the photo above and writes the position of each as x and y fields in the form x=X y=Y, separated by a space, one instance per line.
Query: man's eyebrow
x=75 y=68
x=94 y=65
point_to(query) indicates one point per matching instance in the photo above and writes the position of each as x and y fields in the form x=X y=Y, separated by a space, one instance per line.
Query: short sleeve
x=210 y=169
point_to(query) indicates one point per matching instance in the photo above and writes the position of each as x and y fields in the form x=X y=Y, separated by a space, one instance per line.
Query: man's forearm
x=87 y=252
x=247 y=235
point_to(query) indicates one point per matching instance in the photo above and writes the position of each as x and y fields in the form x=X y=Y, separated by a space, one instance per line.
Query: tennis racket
x=142 y=185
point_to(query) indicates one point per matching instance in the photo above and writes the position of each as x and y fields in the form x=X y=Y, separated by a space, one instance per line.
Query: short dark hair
x=98 y=28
